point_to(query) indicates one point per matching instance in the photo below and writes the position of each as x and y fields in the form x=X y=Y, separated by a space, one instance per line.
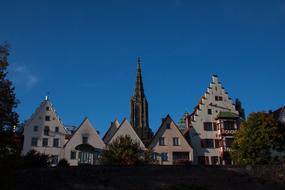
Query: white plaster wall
x=38 y=119
x=85 y=129
x=197 y=132
x=127 y=129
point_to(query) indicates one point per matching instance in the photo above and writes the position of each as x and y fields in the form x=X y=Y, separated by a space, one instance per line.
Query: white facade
x=45 y=133
x=205 y=129
x=85 y=145
x=170 y=146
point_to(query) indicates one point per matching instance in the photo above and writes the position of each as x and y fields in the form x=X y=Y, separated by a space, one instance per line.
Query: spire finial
x=139 y=62
x=47 y=96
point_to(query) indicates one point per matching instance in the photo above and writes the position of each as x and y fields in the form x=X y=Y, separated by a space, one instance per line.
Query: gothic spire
x=139 y=91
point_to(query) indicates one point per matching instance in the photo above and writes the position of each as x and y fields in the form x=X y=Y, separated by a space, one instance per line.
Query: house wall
x=38 y=119
x=127 y=129
x=201 y=115
x=85 y=129
x=169 y=148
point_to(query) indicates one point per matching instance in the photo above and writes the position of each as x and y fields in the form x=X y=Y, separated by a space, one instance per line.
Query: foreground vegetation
x=143 y=177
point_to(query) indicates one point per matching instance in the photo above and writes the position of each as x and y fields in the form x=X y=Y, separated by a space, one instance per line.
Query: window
x=34 y=141
x=84 y=140
x=154 y=156
x=168 y=126
x=47 y=108
x=215 y=160
x=175 y=141
x=217 y=143
x=47 y=118
x=45 y=142
x=218 y=98
x=215 y=126
x=46 y=130
x=207 y=143
x=161 y=141
x=55 y=142
x=229 y=142
x=54 y=159
x=164 y=156
x=72 y=155
x=208 y=126
x=56 y=129
x=36 y=128
x=229 y=125
x=210 y=111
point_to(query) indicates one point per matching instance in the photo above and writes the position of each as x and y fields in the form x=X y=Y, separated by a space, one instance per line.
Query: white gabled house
x=85 y=145
x=44 y=132
x=124 y=129
x=169 y=145
x=211 y=127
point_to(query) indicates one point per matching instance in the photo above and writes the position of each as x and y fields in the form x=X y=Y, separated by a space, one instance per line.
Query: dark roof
x=222 y=115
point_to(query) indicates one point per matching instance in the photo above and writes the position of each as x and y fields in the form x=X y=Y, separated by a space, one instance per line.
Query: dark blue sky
x=84 y=53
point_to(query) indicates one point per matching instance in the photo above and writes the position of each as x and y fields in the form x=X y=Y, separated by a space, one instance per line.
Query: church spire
x=139 y=108
x=139 y=90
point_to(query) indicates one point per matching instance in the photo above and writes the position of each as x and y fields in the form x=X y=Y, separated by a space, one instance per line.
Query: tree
x=124 y=151
x=8 y=103
x=257 y=137
x=239 y=108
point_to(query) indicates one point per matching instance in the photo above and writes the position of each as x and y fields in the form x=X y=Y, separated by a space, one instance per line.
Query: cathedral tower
x=139 y=109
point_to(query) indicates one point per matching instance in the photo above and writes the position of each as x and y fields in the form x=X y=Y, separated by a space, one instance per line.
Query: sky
x=82 y=53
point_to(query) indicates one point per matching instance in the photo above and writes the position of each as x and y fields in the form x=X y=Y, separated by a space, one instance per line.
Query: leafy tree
x=63 y=163
x=239 y=108
x=8 y=116
x=255 y=140
x=125 y=151
x=34 y=159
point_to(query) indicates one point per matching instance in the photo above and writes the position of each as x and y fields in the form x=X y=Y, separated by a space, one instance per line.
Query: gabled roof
x=162 y=125
x=111 y=131
x=41 y=107
x=126 y=129
x=86 y=123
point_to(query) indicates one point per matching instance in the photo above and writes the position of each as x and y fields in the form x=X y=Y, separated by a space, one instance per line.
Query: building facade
x=211 y=126
x=44 y=132
x=139 y=109
x=169 y=145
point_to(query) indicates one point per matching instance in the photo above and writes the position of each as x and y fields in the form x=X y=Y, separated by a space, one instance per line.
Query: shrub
x=63 y=163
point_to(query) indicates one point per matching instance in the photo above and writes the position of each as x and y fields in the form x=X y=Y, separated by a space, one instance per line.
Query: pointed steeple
x=139 y=108
x=139 y=90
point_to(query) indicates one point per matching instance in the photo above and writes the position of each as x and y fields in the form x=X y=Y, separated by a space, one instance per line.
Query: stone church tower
x=139 y=109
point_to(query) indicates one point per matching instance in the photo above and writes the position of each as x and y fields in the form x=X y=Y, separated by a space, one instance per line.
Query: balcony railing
x=228 y=132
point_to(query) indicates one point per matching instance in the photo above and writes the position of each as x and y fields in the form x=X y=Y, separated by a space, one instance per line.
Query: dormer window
x=56 y=129
x=47 y=108
x=46 y=130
